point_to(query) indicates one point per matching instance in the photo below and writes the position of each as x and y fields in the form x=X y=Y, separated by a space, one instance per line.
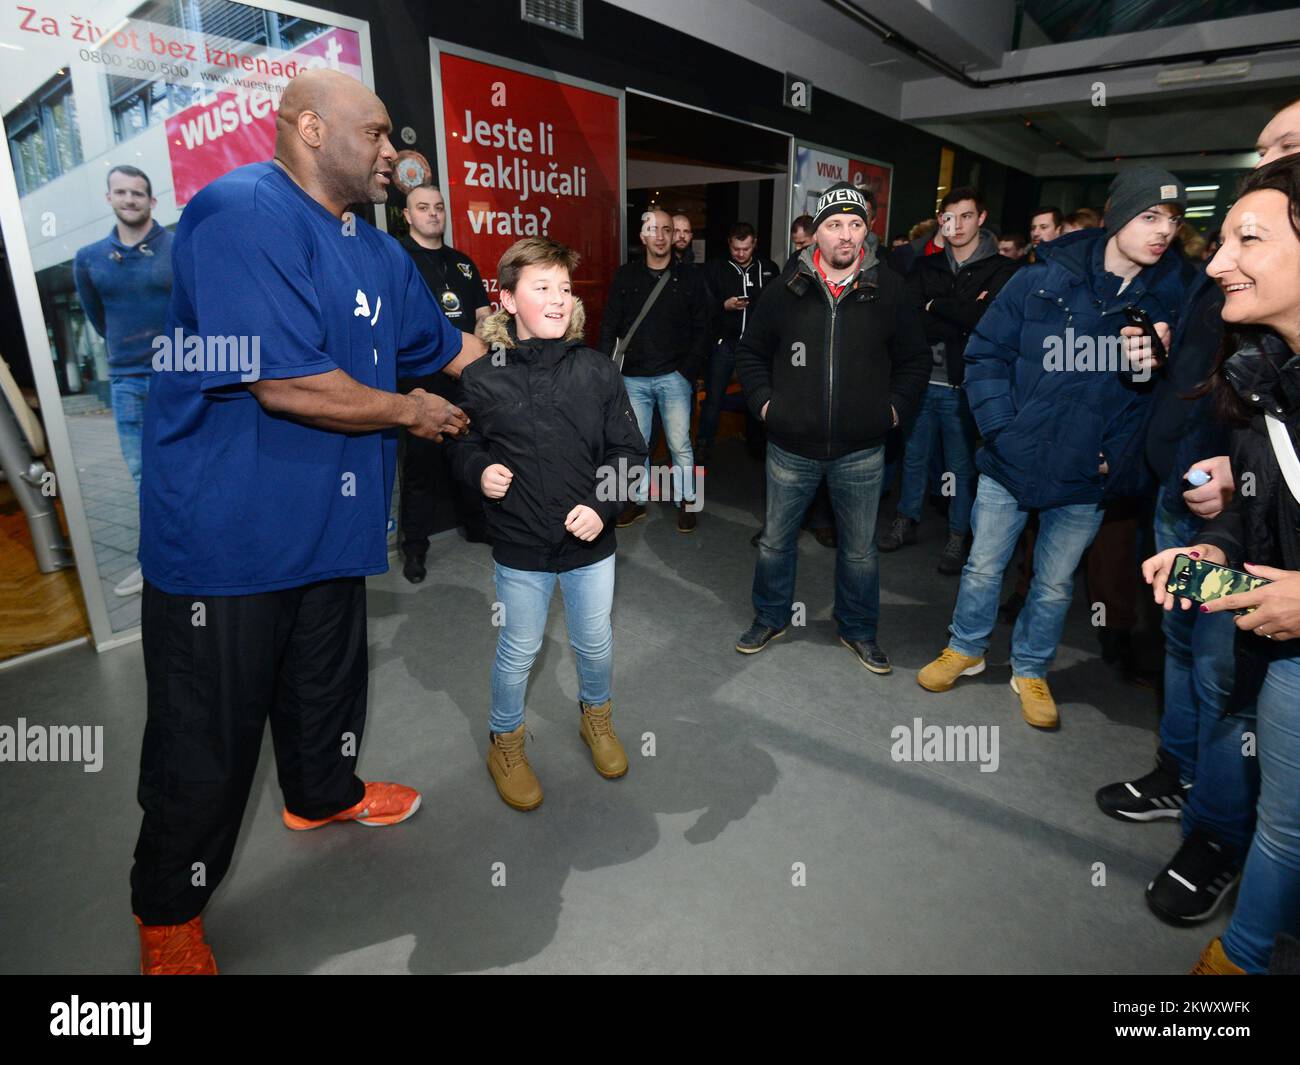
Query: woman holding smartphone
x=1257 y=385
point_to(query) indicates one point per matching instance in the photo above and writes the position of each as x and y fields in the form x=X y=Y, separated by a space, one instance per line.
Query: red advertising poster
x=528 y=156
x=234 y=126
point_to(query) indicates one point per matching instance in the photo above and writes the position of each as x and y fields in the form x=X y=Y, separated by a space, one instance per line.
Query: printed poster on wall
x=816 y=170
x=526 y=155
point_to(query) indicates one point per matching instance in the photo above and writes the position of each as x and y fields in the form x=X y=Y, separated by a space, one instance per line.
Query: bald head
x=331 y=134
x=1281 y=137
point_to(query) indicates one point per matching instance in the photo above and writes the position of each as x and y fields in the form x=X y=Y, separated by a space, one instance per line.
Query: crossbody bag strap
x=620 y=346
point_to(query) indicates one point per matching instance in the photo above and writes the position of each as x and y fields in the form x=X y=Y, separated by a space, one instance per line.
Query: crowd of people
x=1106 y=393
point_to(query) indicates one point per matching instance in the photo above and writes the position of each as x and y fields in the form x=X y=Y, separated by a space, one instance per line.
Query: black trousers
x=296 y=656
x=431 y=497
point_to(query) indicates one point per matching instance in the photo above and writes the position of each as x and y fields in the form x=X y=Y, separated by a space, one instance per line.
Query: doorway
x=717 y=171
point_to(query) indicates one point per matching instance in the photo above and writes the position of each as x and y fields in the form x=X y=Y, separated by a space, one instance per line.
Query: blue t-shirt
x=268 y=285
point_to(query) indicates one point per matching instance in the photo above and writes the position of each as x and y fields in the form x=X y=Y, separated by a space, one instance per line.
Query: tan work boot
x=1036 y=702
x=516 y=782
x=597 y=732
x=941 y=674
x=1214 y=962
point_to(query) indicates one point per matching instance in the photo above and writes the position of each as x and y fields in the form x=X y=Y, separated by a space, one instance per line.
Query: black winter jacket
x=673 y=336
x=1264 y=526
x=556 y=414
x=832 y=368
x=953 y=298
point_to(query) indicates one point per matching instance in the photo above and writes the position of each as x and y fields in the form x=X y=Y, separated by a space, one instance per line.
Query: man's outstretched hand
x=435 y=416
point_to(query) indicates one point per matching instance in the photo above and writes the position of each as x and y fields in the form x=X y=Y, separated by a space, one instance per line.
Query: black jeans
x=297 y=657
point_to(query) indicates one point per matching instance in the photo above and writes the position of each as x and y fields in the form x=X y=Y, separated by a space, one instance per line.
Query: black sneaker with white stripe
x=1157 y=795
x=1193 y=885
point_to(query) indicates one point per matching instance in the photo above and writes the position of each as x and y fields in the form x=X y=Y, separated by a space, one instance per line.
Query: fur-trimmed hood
x=495 y=328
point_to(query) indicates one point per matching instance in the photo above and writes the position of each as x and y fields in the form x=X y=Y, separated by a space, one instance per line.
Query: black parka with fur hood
x=556 y=414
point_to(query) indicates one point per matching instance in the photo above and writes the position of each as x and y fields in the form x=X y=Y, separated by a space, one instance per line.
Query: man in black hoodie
x=834 y=356
x=664 y=355
x=954 y=289
x=735 y=284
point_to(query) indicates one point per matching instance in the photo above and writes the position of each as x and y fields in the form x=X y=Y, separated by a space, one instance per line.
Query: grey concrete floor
x=687 y=864
x=112 y=508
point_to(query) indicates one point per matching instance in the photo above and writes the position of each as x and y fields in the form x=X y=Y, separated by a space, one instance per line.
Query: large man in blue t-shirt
x=270 y=447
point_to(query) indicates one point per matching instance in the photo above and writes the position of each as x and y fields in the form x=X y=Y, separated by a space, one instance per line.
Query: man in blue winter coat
x=1059 y=402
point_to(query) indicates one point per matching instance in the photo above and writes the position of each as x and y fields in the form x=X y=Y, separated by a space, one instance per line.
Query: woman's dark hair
x=1282 y=175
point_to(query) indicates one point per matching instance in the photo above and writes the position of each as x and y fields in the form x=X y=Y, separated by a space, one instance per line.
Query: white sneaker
x=131 y=584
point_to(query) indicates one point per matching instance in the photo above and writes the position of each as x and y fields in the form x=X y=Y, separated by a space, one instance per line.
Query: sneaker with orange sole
x=175 y=949
x=382 y=804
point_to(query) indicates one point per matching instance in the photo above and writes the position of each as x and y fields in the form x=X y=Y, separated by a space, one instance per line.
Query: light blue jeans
x=1268 y=901
x=676 y=397
x=525 y=597
x=128 y=396
x=1064 y=533
x=944 y=420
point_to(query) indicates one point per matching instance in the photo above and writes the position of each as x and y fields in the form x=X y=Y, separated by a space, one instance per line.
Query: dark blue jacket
x=125 y=291
x=1047 y=415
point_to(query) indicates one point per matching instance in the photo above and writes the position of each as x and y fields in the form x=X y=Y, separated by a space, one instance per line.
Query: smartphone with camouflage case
x=1202 y=582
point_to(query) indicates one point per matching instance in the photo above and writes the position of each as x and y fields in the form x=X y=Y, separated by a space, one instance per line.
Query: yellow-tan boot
x=1036 y=703
x=941 y=674
x=597 y=732
x=1214 y=962
x=507 y=761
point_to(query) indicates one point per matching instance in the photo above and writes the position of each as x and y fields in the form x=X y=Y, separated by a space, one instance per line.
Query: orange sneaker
x=175 y=949
x=382 y=804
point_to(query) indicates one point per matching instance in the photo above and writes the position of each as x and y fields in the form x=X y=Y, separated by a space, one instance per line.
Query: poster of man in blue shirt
x=124 y=283
x=269 y=456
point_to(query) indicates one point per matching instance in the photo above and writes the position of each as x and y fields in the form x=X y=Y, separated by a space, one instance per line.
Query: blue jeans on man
x=854 y=481
x=944 y=419
x=1064 y=533
x=675 y=398
x=129 y=394
x=1205 y=745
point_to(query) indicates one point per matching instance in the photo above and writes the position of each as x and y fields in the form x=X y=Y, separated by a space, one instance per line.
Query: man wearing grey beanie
x=1060 y=403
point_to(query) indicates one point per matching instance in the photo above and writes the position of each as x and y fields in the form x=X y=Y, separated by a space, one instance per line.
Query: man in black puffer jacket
x=833 y=358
